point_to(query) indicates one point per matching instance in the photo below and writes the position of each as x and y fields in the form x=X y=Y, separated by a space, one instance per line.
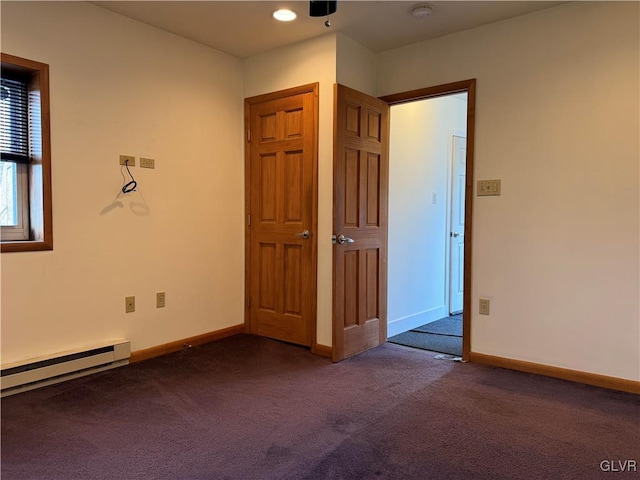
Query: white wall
x=419 y=166
x=557 y=119
x=308 y=62
x=121 y=87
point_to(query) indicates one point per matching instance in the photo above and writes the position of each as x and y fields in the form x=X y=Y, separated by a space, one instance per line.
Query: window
x=14 y=150
x=25 y=156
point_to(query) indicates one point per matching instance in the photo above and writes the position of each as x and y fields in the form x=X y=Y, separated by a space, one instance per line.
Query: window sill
x=25 y=246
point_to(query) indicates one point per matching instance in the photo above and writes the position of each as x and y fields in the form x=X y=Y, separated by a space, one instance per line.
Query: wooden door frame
x=248 y=103
x=469 y=87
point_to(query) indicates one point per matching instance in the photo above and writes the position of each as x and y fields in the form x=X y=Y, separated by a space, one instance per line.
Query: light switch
x=488 y=188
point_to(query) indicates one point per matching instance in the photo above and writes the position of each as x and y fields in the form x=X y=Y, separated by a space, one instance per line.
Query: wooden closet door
x=283 y=204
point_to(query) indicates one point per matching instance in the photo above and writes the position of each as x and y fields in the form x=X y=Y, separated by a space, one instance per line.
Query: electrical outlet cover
x=129 y=304
x=147 y=163
x=160 y=299
x=128 y=160
x=484 y=306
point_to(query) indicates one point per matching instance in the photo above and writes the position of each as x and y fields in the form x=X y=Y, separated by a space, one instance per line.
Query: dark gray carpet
x=250 y=408
x=444 y=336
x=445 y=326
x=430 y=341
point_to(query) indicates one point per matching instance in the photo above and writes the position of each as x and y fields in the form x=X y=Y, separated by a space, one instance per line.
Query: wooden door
x=361 y=178
x=456 y=234
x=282 y=222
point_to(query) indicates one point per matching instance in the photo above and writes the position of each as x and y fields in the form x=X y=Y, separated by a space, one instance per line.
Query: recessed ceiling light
x=284 y=15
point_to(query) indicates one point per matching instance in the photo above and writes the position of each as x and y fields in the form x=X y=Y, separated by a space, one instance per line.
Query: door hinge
x=248 y=135
x=249 y=302
x=249 y=220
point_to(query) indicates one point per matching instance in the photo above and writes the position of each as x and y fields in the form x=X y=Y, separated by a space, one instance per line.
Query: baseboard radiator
x=39 y=372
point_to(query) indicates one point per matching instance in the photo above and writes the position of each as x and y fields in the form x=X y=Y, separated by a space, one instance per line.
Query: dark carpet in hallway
x=444 y=336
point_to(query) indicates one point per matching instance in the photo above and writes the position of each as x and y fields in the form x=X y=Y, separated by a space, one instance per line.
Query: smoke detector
x=421 y=11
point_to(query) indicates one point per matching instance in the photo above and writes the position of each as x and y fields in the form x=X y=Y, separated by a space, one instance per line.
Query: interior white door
x=456 y=236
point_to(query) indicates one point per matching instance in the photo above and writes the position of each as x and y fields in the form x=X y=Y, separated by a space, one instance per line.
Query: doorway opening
x=430 y=195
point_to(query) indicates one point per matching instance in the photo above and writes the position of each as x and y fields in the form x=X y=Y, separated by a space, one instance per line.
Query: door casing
x=468 y=86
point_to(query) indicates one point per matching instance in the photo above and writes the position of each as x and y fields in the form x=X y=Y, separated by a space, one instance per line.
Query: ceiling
x=245 y=28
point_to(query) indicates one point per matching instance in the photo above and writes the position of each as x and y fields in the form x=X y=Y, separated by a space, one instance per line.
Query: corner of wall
x=356 y=65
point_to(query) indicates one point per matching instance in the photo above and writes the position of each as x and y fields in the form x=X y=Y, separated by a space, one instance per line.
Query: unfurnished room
x=320 y=240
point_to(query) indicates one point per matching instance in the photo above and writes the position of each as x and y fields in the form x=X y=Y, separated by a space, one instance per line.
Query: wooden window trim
x=40 y=201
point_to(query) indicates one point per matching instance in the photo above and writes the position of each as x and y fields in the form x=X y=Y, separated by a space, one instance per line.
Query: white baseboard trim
x=394 y=327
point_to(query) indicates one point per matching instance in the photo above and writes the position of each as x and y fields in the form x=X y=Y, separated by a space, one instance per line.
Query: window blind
x=14 y=121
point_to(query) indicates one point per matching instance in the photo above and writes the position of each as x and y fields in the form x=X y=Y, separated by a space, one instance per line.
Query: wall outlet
x=489 y=187
x=128 y=160
x=485 y=306
x=129 y=304
x=160 y=297
x=147 y=163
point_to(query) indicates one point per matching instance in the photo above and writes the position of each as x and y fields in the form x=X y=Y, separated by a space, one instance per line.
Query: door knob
x=304 y=234
x=342 y=240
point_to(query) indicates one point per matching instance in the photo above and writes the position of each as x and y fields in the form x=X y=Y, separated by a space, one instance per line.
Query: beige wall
x=355 y=65
x=121 y=87
x=557 y=119
x=308 y=62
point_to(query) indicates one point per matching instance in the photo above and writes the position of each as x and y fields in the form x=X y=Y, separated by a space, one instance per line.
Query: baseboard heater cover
x=39 y=372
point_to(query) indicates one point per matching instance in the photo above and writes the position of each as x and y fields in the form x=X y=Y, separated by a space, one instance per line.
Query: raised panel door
x=361 y=177
x=282 y=204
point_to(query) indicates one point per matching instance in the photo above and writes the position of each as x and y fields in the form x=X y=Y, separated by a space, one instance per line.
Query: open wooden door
x=360 y=210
